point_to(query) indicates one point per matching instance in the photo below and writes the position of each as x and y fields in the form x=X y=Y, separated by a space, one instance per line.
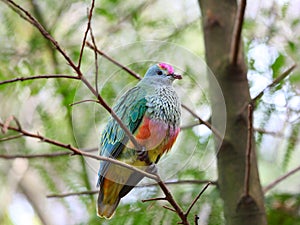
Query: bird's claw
x=143 y=155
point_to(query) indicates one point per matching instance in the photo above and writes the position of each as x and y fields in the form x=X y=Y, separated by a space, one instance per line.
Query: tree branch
x=196 y=199
x=83 y=101
x=171 y=200
x=39 y=77
x=11 y=137
x=141 y=186
x=280 y=179
x=274 y=82
x=90 y=15
x=201 y=121
x=248 y=150
x=96 y=59
x=32 y=156
x=237 y=32
x=131 y=72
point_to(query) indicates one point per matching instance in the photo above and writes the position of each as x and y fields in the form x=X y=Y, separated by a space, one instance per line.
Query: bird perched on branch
x=151 y=111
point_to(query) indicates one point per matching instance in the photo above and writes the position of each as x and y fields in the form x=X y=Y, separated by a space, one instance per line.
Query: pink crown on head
x=167 y=67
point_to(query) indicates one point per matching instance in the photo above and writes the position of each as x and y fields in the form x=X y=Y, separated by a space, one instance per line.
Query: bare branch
x=248 y=150
x=10 y=137
x=96 y=59
x=90 y=15
x=201 y=121
x=197 y=198
x=32 y=156
x=237 y=32
x=39 y=77
x=141 y=186
x=114 y=61
x=182 y=182
x=83 y=101
x=5 y=126
x=154 y=199
x=171 y=200
x=275 y=82
x=273 y=133
x=72 y=194
x=167 y=207
x=280 y=179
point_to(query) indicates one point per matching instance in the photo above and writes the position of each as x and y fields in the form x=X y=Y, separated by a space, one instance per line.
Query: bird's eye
x=159 y=72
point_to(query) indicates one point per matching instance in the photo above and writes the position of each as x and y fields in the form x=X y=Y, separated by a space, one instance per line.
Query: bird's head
x=162 y=73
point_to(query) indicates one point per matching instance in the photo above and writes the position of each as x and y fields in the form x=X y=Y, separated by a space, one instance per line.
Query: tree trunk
x=218 y=18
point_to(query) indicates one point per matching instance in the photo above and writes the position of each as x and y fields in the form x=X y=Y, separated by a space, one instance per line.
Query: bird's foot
x=143 y=156
x=152 y=169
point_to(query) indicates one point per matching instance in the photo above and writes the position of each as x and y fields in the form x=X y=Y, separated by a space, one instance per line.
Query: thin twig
x=113 y=61
x=90 y=15
x=169 y=208
x=274 y=82
x=5 y=126
x=248 y=150
x=96 y=59
x=182 y=182
x=171 y=200
x=237 y=32
x=32 y=156
x=196 y=199
x=38 y=77
x=273 y=133
x=201 y=121
x=83 y=101
x=280 y=179
x=72 y=194
x=179 y=182
x=154 y=199
x=11 y=137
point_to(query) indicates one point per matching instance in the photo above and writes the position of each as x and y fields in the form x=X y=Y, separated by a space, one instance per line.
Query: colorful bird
x=151 y=110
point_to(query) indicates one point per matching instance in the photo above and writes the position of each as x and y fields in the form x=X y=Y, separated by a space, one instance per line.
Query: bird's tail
x=108 y=199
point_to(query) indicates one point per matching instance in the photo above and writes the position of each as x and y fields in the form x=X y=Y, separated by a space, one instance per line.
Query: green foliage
x=277 y=65
x=283 y=209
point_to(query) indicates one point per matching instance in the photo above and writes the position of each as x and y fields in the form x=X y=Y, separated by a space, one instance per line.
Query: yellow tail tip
x=106 y=211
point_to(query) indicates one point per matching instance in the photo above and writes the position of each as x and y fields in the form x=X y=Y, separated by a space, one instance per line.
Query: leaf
x=292 y=46
x=277 y=65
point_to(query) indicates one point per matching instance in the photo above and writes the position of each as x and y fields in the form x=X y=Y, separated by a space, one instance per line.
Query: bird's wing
x=130 y=108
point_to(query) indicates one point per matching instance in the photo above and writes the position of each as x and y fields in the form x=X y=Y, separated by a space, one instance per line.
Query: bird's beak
x=176 y=76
